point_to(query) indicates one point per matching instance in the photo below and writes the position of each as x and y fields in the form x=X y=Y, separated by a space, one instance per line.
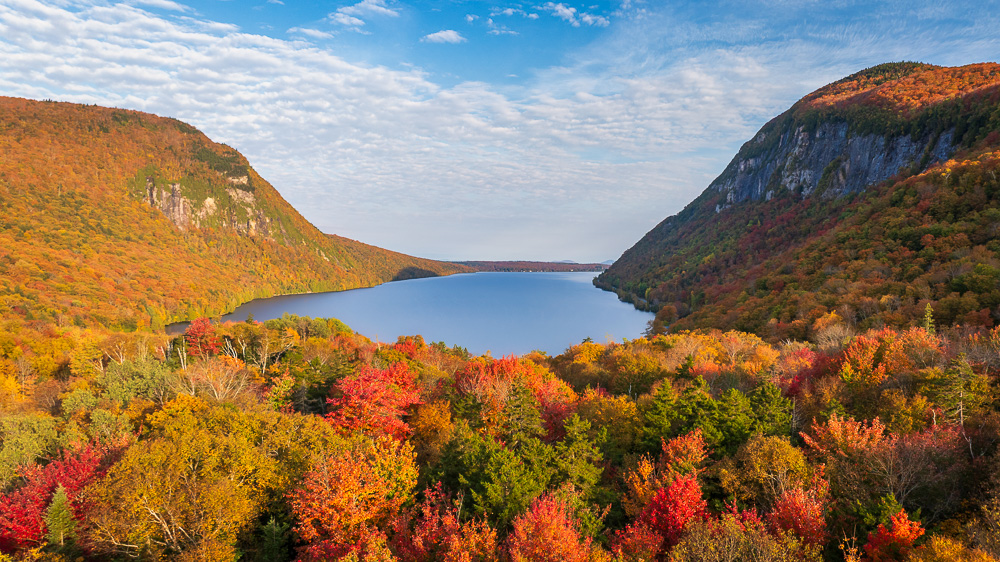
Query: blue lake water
x=504 y=313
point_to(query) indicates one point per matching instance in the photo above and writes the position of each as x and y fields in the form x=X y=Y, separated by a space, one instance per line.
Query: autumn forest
x=830 y=395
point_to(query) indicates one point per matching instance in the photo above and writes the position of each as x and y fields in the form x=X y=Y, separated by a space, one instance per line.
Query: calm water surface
x=504 y=313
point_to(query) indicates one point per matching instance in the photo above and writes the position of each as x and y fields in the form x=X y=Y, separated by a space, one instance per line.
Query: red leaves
x=373 y=401
x=547 y=533
x=343 y=500
x=896 y=542
x=801 y=512
x=431 y=531
x=410 y=346
x=637 y=542
x=673 y=507
x=682 y=455
x=22 y=511
x=201 y=339
x=493 y=383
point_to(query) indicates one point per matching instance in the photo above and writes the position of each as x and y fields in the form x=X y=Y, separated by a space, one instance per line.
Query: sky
x=465 y=130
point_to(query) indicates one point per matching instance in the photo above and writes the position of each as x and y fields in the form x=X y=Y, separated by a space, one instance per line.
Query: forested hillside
x=120 y=218
x=872 y=197
x=297 y=438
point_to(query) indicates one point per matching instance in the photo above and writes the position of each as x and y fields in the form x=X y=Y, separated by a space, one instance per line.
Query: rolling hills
x=130 y=220
x=872 y=197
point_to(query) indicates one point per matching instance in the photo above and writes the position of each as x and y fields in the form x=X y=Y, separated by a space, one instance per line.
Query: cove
x=503 y=313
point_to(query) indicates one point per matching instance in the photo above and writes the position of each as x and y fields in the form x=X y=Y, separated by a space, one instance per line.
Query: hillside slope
x=132 y=220
x=871 y=197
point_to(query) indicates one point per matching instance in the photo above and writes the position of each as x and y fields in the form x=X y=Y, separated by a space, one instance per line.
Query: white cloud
x=352 y=16
x=471 y=18
x=278 y=2
x=314 y=33
x=369 y=7
x=444 y=36
x=162 y=4
x=573 y=17
x=562 y=11
x=512 y=12
x=346 y=20
x=498 y=29
x=591 y=19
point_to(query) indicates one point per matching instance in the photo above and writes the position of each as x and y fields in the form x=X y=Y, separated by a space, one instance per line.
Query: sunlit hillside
x=131 y=220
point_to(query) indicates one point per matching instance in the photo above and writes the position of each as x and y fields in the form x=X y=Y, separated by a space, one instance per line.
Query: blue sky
x=476 y=130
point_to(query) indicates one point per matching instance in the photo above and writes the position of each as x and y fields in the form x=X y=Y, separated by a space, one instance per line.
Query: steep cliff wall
x=841 y=203
x=828 y=159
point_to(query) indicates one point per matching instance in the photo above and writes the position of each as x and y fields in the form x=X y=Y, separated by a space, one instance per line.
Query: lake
x=504 y=313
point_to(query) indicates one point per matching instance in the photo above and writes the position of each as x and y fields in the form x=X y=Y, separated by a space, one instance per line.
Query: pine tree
x=274 y=545
x=59 y=519
x=659 y=417
x=929 y=319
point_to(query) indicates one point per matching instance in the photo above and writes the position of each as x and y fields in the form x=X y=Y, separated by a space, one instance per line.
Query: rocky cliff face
x=828 y=160
x=169 y=200
x=237 y=210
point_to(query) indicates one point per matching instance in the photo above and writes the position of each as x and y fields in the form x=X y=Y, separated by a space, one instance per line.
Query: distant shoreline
x=531 y=266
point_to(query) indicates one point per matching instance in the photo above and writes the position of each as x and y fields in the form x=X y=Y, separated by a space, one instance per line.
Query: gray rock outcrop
x=828 y=161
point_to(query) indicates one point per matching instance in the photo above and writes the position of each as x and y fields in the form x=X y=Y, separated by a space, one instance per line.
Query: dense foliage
x=81 y=243
x=297 y=438
x=878 y=257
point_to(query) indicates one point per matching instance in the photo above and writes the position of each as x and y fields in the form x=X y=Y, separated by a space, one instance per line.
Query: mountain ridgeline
x=130 y=220
x=872 y=197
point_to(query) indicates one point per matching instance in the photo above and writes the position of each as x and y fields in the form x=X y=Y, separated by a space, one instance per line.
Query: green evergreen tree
x=659 y=417
x=59 y=519
x=499 y=481
x=522 y=418
x=577 y=457
x=696 y=409
x=274 y=542
x=772 y=411
x=735 y=420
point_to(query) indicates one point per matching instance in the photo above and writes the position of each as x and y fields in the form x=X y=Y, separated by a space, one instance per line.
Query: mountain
x=131 y=220
x=871 y=197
